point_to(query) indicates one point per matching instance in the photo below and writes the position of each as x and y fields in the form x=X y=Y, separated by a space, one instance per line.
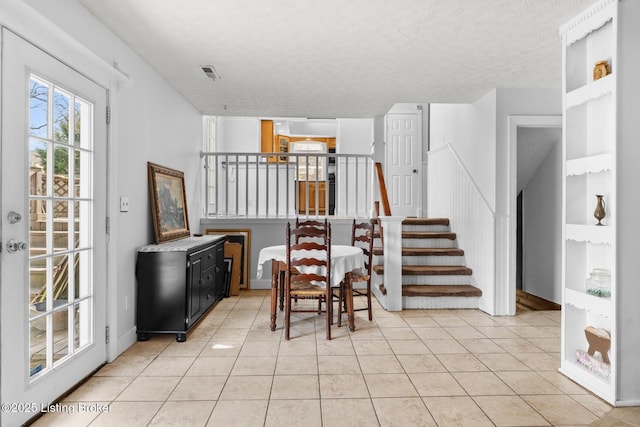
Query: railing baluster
x=346 y=181
x=286 y=184
x=356 y=188
x=258 y=184
x=237 y=187
x=226 y=183
x=277 y=189
x=217 y=172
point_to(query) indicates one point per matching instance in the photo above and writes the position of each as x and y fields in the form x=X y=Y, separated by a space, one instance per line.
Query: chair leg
x=340 y=300
x=369 y=301
x=281 y=280
x=329 y=314
x=287 y=316
x=349 y=302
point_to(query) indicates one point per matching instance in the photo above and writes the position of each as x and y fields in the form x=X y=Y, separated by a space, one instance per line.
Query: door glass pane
x=38 y=108
x=83 y=325
x=60 y=224
x=77 y=110
x=61 y=119
x=61 y=171
x=37 y=168
x=60 y=215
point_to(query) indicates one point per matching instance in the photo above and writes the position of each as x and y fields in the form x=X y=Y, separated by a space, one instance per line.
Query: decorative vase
x=599 y=213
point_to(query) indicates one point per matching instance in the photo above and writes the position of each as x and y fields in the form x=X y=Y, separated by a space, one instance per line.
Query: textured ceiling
x=341 y=58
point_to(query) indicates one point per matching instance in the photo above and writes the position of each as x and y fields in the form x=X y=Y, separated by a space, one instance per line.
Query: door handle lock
x=14 y=217
x=13 y=246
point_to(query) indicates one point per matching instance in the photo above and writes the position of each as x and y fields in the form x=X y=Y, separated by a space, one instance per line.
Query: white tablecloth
x=343 y=259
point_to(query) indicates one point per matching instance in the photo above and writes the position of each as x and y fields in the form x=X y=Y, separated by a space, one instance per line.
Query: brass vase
x=599 y=213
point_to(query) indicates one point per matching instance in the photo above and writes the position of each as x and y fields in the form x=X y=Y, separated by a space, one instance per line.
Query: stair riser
x=417 y=303
x=429 y=243
x=432 y=260
x=436 y=280
x=436 y=228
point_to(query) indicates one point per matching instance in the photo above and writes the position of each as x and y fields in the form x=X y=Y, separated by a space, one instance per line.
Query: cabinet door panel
x=195 y=288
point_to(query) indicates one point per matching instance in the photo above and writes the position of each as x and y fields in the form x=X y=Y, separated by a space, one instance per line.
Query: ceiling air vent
x=211 y=72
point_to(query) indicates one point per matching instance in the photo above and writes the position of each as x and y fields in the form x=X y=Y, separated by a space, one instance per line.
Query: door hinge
x=108 y=225
x=106 y=335
x=108 y=115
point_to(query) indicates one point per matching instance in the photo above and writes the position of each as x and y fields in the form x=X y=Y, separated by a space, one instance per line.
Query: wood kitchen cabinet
x=313 y=188
x=178 y=282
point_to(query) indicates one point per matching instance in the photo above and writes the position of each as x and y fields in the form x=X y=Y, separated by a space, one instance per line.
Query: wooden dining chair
x=313 y=277
x=362 y=235
x=304 y=223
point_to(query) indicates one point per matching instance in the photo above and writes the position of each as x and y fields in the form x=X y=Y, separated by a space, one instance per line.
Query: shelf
x=589 y=233
x=598 y=385
x=584 y=301
x=591 y=91
x=590 y=164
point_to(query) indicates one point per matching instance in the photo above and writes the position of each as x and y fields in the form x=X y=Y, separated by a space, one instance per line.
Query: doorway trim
x=506 y=297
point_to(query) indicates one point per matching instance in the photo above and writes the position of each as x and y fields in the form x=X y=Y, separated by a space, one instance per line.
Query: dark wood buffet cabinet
x=178 y=282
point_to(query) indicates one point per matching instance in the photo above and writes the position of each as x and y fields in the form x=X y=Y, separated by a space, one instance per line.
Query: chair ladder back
x=305 y=283
x=362 y=237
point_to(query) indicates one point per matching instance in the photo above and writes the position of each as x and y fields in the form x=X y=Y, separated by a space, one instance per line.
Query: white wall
x=542 y=228
x=471 y=131
x=238 y=134
x=150 y=122
x=355 y=136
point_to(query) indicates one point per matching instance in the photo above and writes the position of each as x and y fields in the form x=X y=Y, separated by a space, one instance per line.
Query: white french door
x=53 y=259
x=403 y=163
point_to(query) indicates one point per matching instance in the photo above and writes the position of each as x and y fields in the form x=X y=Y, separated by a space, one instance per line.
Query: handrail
x=383 y=190
x=286 y=185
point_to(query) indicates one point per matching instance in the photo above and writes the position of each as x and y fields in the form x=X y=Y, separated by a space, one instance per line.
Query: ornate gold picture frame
x=168 y=203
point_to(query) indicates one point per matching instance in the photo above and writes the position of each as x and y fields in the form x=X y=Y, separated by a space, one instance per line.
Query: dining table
x=344 y=259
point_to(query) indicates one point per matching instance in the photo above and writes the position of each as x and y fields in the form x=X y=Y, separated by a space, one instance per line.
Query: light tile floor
x=412 y=368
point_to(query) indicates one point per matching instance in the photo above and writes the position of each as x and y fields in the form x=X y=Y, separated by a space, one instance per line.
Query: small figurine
x=601 y=69
x=599 y=340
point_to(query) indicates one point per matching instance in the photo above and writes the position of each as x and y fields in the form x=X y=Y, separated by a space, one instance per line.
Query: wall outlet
x=124 y=204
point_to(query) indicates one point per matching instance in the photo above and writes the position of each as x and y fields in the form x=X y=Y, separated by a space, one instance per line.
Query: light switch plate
x=124 y=204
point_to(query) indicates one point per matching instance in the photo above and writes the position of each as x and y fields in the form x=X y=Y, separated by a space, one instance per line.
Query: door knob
x=14 y=217
x=415 y=171
x=13 y=246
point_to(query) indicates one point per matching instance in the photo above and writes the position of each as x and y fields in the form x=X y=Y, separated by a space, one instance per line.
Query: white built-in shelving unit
x=601 y=148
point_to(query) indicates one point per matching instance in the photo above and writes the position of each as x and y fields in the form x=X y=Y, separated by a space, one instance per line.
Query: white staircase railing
x=285 y=185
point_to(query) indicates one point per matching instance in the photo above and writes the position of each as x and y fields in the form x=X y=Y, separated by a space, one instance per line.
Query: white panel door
x=53 y=259
x=403 y=163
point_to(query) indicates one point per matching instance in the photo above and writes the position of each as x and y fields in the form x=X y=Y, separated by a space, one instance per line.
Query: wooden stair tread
x=424 y=251
x=440 y=291
x=429 y=270
x=428 y=235
x=426 y=221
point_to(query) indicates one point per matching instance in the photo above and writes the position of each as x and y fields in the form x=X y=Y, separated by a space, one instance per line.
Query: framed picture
x=242 y=236
x=168 y=203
